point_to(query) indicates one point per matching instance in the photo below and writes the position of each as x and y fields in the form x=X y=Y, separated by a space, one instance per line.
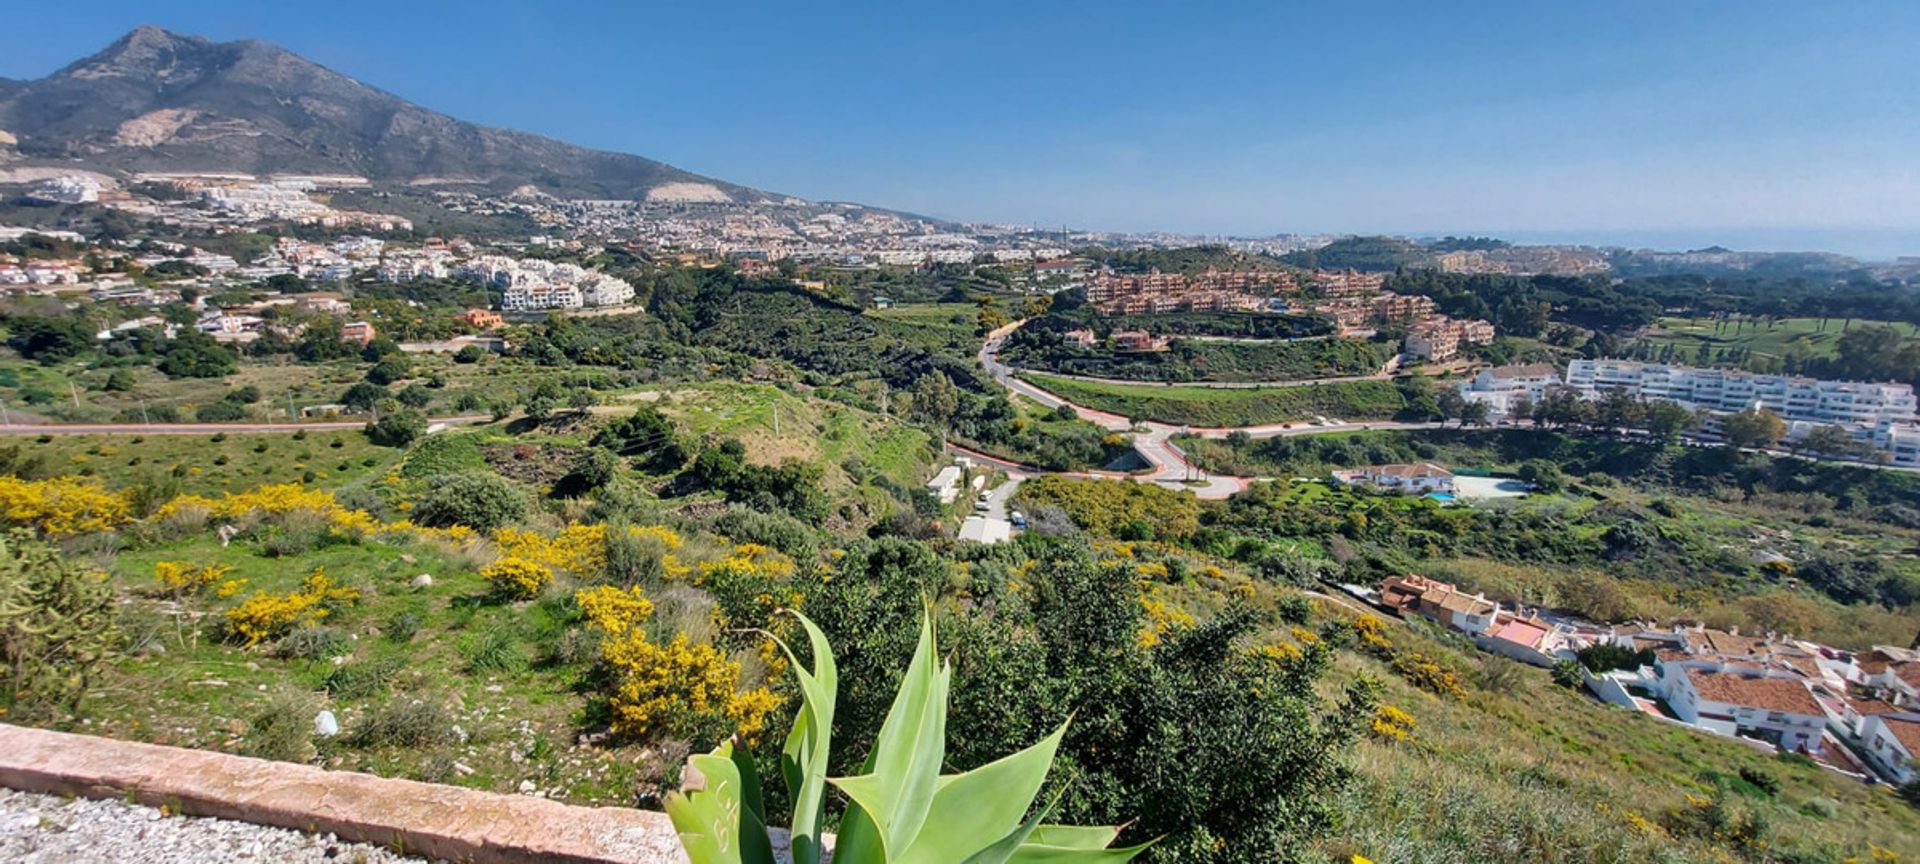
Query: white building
x=68 y=189
x=1851 y=403
x=1420 y=478
x=1736 y=700
x=1892 y=741
x=1501 y=386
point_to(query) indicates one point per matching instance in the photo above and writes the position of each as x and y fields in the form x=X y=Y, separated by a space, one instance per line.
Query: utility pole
x=4 y=417
x=75 y=390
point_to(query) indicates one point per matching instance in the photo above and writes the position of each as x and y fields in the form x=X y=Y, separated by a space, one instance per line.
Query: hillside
x=160 y=101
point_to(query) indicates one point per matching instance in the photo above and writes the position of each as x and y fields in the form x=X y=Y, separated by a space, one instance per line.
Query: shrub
x=63 y=506
x=57 y=625
x=1762 y=780
x=497 y=650
x=388 y=371
x=482 y=502
x=313 y=642
x=282 y=729
x=402 y=627
x=181 y=577
x=403 y=721
x=517 y=578
x=364 y=678
x=396 y=428
x=220 y=412
x=266 y=616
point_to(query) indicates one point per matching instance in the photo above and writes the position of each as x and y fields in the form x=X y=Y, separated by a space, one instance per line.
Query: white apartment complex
x=532 y=284
x=1844 y=403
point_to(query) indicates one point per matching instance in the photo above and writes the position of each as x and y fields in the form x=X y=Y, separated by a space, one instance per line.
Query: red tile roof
x=1769 y=694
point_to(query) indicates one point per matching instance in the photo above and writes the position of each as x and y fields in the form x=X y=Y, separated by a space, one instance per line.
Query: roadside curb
x=441 y=822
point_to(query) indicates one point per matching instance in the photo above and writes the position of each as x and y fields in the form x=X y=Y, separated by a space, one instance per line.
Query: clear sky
x=1758 y=124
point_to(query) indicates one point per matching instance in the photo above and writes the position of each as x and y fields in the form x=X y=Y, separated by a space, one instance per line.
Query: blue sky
x=1757 y=123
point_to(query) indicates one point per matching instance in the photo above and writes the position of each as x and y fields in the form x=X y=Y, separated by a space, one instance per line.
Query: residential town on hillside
x=1855 y=712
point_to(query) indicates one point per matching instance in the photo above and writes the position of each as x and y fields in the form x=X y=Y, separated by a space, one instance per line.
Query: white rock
x=424 y=580
x=325 y=724
x=462 y=769
x=526 y=787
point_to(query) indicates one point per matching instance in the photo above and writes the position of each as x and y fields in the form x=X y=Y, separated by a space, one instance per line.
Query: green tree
x=1666 y=421
x=194 y=354
x=1754 y=428
x=397 y=428
x=477 y=500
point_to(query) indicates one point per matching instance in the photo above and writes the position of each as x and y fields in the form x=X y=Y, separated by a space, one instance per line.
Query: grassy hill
x=1213 y=407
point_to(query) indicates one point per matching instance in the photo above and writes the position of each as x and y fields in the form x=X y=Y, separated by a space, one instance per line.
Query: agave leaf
x=970 y=810
x=714 y=823
x=1075 y=836
x=1034 y=854
x=858 y=841
x=750 y=797
x=1001 y=851
x=899 y=791
x=804 y=759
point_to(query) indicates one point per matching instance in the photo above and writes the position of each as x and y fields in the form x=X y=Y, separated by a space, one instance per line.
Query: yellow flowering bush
x=612 y=609
x=517 y=578
x=63 y=506
x=266 y=616
x=1392 y=724
x=1162 y=616
x=182 y=577
x=679 y=686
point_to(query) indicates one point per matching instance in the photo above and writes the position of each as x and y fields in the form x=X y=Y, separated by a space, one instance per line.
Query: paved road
x=209 y=428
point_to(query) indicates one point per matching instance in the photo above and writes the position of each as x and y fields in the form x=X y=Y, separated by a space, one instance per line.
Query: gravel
x=47 y=829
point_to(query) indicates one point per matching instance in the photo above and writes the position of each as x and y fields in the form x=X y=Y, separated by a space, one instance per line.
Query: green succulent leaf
x=803 y=761
x=898 y=793
x=715 y=824
x=970 y=810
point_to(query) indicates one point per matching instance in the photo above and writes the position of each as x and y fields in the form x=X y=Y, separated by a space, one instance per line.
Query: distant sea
x=1867 y=244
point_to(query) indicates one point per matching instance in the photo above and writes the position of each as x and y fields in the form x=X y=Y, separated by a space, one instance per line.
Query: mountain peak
x=156 y=100
x=146 y=51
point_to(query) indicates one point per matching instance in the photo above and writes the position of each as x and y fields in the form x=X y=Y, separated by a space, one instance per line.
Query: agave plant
x=902 y=810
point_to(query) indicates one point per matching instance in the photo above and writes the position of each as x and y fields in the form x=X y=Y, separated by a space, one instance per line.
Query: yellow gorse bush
x=613 y=610
x=660 y=688
x=63 y=506
x=183 y=576
x=1392 y=724
x=266 y=616
x=582 y=549
x=517 y=577
x=1162 y=617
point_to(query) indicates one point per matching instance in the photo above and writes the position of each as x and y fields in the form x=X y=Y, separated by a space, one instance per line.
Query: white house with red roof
x=1770 y=705
x=1529 y=639
x=1891 y=742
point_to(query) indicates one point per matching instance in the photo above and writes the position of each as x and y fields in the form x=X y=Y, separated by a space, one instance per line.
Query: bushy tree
x=397 y=428
x=194 y=354
x=479 y=501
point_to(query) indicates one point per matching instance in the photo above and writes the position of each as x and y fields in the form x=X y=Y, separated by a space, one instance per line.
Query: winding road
x=1170 y=467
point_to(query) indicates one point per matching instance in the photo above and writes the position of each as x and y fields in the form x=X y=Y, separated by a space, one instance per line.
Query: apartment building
x=1844 y=403
x=1440 y=337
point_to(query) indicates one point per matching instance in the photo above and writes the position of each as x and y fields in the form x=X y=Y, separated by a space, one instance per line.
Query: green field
x=1805 y=337
x=776 y=425
x=1212 y=406
x=208 y=464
